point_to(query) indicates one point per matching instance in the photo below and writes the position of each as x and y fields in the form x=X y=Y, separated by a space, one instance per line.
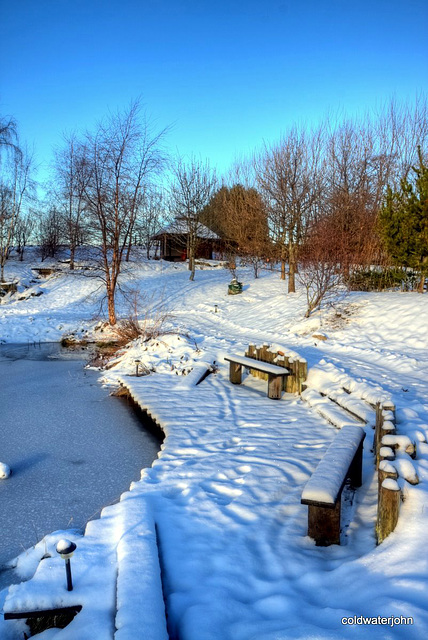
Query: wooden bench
x=43 y=613
x=323 y=492
x=275 y=373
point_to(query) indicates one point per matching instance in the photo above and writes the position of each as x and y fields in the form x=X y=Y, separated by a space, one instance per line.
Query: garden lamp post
x=66 y=548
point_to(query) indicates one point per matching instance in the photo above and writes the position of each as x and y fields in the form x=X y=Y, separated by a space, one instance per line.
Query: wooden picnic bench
x=323 y=491
x=275 y=373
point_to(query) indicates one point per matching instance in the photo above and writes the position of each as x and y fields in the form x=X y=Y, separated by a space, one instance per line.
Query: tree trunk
x=421 y=284
x=192 y=268
x=291 y=268
x=128 y=252
x=282 y=269
x=72 y=251
x=111 y=306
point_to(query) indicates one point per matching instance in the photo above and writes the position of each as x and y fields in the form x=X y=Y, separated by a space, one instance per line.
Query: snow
x=391 y=484
x=181 y=228
x=4 y=471
x=218 y=515
x=247 y=362
x=64 y=546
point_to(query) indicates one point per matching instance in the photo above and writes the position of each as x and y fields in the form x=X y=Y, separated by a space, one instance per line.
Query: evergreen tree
x=404 y=221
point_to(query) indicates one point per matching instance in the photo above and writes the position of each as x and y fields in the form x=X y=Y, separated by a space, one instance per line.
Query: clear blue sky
x=227 y=74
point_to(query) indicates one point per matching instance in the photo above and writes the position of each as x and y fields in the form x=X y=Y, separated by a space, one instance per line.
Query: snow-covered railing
x=290 y=360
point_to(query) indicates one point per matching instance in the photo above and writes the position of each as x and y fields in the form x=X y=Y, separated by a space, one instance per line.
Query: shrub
x=146 y=319
x=379 y=280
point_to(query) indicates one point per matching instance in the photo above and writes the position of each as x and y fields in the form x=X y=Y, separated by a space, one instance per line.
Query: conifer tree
x=404 y=221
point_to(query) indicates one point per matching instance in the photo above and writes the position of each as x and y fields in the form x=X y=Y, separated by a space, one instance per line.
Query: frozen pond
x=71 y=447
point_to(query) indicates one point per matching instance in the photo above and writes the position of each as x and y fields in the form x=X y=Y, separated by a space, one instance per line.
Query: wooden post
x=259 y=351
x=274 y=386
x=270 y=356
x=386 y=470
x=264 y=350
x=356 y=468
x=377 y=435
x=324 y=524
x=286 y=364
x=388 y=509
x=290 y=378
x=303 y=373
x=235 y=373
x=251 y=351
x=389 y=406
x=295 y=375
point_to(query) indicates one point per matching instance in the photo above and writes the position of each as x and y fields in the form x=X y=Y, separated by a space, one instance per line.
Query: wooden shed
x=173 y=242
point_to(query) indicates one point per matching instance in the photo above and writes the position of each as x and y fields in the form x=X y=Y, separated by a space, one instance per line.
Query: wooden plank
x=41 y=613
x=266 y=367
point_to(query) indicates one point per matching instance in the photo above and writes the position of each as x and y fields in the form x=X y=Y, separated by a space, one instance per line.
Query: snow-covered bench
x=275 y=373
x=323 y=491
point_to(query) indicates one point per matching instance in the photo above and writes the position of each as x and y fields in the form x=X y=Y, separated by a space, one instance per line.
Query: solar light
x=66 y=548
x=137 y=363
x=215 y=308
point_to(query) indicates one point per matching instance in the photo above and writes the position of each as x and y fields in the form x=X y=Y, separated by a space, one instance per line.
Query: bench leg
x=356 y=468
x=235 y=373
x=324 y=524
x=274 y=386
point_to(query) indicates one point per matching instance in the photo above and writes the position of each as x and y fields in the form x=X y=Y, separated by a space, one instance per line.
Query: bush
x=379 y=280
x=146 y=319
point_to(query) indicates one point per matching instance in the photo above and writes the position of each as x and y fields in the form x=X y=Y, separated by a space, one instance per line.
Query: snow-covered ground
x=222 y=502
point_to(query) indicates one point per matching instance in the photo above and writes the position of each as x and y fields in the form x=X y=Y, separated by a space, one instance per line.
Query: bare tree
x=400 y=128
x=71 y=175
x=14 y=189
x=49 y=232
x=192 y=187
x=149 y=218
x=121 y=156
x=9 y=135
x=287 y=175
x=319 y=257
x=24 y=229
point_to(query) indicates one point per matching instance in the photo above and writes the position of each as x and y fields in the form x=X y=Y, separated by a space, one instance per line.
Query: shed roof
x=180 y=228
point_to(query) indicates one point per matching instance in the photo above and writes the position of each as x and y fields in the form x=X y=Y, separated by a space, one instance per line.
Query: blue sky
x=227 y=75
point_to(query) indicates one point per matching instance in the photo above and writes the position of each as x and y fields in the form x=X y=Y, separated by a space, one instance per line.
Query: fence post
x=386 y=470
x=388 y=508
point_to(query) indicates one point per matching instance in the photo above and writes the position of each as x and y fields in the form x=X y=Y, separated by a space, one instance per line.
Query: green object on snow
x=234 y=287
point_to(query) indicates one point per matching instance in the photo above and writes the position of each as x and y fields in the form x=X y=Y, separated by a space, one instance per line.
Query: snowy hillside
x=222 y=502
